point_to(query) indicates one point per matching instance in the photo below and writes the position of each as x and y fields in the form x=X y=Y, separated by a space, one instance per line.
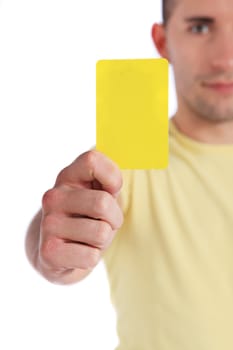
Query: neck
x=204 y=130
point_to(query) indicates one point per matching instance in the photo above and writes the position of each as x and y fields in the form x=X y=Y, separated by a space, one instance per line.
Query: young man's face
x=200 y=48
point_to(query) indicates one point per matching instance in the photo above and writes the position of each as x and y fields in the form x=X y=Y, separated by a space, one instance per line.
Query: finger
x=83 y=202
x=62 y=255
x=89 y=167
x=95 y=233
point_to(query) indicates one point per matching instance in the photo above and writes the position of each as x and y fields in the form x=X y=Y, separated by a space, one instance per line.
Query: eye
x=199 y=28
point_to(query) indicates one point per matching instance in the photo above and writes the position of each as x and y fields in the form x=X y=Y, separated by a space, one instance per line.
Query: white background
x=48 y=51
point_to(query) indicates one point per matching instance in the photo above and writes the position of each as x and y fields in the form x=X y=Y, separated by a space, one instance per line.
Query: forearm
x=32 y=244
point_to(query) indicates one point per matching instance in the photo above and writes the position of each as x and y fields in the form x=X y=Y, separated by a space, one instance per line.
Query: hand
x=80 y=215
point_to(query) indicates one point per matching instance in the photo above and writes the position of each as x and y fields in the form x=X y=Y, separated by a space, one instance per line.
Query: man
x=170 y=264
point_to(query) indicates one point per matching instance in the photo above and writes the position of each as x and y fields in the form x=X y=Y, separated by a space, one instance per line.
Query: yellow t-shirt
x=170 y=266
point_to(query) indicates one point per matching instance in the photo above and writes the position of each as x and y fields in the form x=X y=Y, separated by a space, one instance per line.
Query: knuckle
x=49 y=224
x=102 y=203
x=115 y=176
x=48 y=248
x=102 y=235
x=50 y=198
x=62 y=175
x=89 y=158
x=93 y=257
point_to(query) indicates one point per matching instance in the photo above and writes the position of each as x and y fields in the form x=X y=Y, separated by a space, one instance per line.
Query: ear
x=159 y=38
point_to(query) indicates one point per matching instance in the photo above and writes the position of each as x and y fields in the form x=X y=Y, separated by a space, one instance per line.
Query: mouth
x=220 y=86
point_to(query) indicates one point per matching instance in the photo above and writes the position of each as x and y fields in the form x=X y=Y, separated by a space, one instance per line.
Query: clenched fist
x=79 y=217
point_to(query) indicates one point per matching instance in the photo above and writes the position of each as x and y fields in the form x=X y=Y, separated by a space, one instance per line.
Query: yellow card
x=132 y=112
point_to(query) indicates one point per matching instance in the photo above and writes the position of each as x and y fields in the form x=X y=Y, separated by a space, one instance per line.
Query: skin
x=201 y=53
x=81 y=214
x=78 y=220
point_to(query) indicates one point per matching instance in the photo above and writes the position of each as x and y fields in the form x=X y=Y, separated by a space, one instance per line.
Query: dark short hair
x=167 y=7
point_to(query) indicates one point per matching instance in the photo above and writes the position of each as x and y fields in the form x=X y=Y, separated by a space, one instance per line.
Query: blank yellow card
x=132 y=112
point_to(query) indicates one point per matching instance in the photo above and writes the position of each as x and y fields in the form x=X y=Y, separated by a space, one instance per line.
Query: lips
x=220 y=86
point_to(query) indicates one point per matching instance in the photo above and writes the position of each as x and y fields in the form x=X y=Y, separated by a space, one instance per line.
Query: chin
x=216 y=118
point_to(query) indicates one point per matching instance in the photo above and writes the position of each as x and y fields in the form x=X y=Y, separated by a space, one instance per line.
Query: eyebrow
x=202 y=19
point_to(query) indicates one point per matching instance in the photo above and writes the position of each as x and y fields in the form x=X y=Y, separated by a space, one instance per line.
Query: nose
x=222 y=51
